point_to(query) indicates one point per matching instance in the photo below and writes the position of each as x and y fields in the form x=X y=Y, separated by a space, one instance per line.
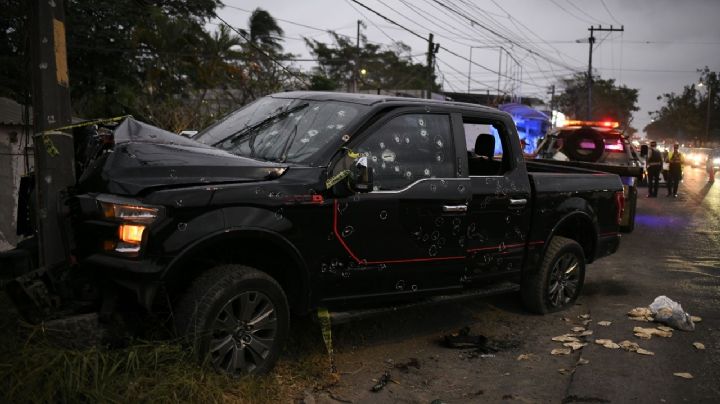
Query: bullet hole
x=508 y=219
x=397 y=139
x=331 y=236
x=304 y=140
x=421 y=122
x=457 y=222
x=376 y=188
x=345 y=274
x=443 y=183
x=383 y=165
x=342 y=207
x=132 y=156
x=279 y=214
x=44 y=40
x=439 y=157
x=438 y=142
x=455 y=230
x=433 y=187
x=316 y=108
x=397 y=169
x=48 y=179
x=356 y=198
x=178 y=203
x=374 y=159
x=203 y=179
x=435 y=235
x=323 y=267
x=408 y=174
x=348 y=231
x=461 y=242
x=341 y=113
x=382 y=145
x=312 y=132
x=339 y=126
x=486 y=258
x=414 y=288
x=502 y=247
x=439 y=221
x=330 y=126
x=345 y=138
x=383 y=215
x=424 y=133
x=407 y=140
x=433 y=250
x=43 y=66
x=172 y=173
x=400 y=285
x=461 y=188
x=258 y=191
x=182 y=226
x=426 y=172
x=425 y=237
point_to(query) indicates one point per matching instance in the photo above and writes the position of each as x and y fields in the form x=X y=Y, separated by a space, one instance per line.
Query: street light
x=707 y=114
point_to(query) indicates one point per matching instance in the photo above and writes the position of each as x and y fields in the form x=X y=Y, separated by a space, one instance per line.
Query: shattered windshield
x=281 y=129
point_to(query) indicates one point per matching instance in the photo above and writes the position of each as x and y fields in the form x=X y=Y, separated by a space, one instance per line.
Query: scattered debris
x=565 y=338
x=647 y=333
x=381 y=382
x=604 y=323
x=574 y=345
x=583 y=334
x=640 y=314
x=560 y=351
x=629 y=346
x=584 y=317
x=671 y=313
x=665 y=328
x=525 y=357
x=578 y=329
x=696 y=319
x=565 y=319
x=479 y=344
x=404 y=366
x=684 y=375
x=582 y=361
x=699 y=346
x=607 y=343
x=645 y=352
x=566 y=371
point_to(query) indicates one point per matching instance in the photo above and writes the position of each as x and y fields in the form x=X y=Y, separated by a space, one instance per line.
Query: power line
x=609 y=13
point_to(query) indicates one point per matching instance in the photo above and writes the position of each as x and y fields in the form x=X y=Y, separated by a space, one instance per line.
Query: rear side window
x=409 y=148
x=487 y=145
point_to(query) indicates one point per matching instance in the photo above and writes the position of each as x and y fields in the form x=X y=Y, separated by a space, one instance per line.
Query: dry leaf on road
x=578 y=329
x=604 y=323
x=684 y=375
x=645 y=352
x=607 y=343
x=583 y=361
x=574 y=345
x=629 y=346
x=699 y=345
x=651 y=332
x=696 y=319
x=565 y=338
x=560 y=351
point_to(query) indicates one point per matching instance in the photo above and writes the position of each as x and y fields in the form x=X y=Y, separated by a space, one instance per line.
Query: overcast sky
x=663 y=44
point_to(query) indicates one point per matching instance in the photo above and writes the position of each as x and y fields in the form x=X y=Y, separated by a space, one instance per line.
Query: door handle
x=518 y=202
x=455 y=208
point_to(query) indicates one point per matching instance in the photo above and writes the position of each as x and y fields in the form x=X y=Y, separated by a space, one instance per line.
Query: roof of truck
x=372 y=99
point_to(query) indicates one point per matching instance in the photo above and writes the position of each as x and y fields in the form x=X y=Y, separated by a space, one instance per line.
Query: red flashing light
x=603 y=124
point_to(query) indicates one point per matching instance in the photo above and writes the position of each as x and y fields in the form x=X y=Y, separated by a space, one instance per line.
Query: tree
x=385 y=67
x=609 y=101
x=684 y=116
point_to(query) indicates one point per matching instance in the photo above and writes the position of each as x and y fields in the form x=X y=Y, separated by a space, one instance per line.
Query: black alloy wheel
x=564 y=280
x=236 y=318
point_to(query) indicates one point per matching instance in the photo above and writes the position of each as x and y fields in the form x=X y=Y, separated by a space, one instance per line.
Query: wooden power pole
x=591 y=42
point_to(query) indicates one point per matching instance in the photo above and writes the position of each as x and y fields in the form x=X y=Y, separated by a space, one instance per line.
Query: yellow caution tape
x=50 y=148
x=352 y=154
x=331 y=182
x=88 y=123
x=326 y=328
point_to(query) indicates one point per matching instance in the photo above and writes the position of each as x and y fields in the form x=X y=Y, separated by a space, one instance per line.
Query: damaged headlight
x=133 y=218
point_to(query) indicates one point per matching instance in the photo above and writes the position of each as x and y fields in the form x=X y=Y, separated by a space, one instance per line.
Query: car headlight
x=133 y=218
x=716 y=160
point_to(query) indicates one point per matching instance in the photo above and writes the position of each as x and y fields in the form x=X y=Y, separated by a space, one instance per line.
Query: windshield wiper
x=240 y=134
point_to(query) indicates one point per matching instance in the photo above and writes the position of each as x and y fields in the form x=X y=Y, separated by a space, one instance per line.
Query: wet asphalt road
x=674 y=251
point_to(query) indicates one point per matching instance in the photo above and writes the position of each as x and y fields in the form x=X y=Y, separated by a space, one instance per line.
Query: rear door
x=500 y=205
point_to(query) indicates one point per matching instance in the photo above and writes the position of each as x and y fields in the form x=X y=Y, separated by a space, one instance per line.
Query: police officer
x=654 y=166
x=676 y=160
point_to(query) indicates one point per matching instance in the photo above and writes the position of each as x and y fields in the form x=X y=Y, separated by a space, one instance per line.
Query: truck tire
x=629 y=226
x=235 y=317
x=573 y=145
x=559 y=280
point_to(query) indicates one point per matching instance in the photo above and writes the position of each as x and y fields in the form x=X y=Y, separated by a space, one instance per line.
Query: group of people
x=654 y=162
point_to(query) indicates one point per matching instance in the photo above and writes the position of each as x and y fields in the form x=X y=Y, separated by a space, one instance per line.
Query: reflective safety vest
x=675 y=158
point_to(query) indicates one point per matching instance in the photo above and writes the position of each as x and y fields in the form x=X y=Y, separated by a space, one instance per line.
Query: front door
x=406 y=236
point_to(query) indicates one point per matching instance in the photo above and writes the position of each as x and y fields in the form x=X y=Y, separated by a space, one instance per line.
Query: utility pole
x=356 y=70
x=54 y=152
x=432 y=50
x=552 y=105
x=591 y=42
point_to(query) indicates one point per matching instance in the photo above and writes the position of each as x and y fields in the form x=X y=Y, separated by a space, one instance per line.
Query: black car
x=303 y=200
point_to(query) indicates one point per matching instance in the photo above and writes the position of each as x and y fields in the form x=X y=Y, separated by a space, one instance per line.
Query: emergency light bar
x=602 y=124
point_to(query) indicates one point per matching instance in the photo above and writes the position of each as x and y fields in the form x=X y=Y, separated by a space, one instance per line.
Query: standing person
x=654 y=166
x=710 y=165
x=676 y=160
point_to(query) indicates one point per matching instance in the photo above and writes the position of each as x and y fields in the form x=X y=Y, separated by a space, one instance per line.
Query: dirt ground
x=674 y=251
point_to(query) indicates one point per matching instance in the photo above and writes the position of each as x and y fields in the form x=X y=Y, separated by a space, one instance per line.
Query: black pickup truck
x=303 y=200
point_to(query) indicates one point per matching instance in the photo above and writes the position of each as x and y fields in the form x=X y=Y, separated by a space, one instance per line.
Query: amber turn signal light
x=131 y=233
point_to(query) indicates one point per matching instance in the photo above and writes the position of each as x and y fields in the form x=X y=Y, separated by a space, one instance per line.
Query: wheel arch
x=262 y=249
x=580 y=227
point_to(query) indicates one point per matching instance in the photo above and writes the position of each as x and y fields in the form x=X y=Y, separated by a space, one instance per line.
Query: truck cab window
x=486 y=145
x=409 y=148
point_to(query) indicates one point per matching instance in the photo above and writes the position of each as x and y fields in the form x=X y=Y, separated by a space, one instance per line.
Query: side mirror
x=362 y=175
x=644 y=150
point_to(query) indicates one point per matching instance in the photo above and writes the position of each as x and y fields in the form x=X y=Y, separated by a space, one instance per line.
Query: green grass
x=34 y=370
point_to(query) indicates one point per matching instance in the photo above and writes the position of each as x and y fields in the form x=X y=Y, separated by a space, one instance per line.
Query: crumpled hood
x=147 y=157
